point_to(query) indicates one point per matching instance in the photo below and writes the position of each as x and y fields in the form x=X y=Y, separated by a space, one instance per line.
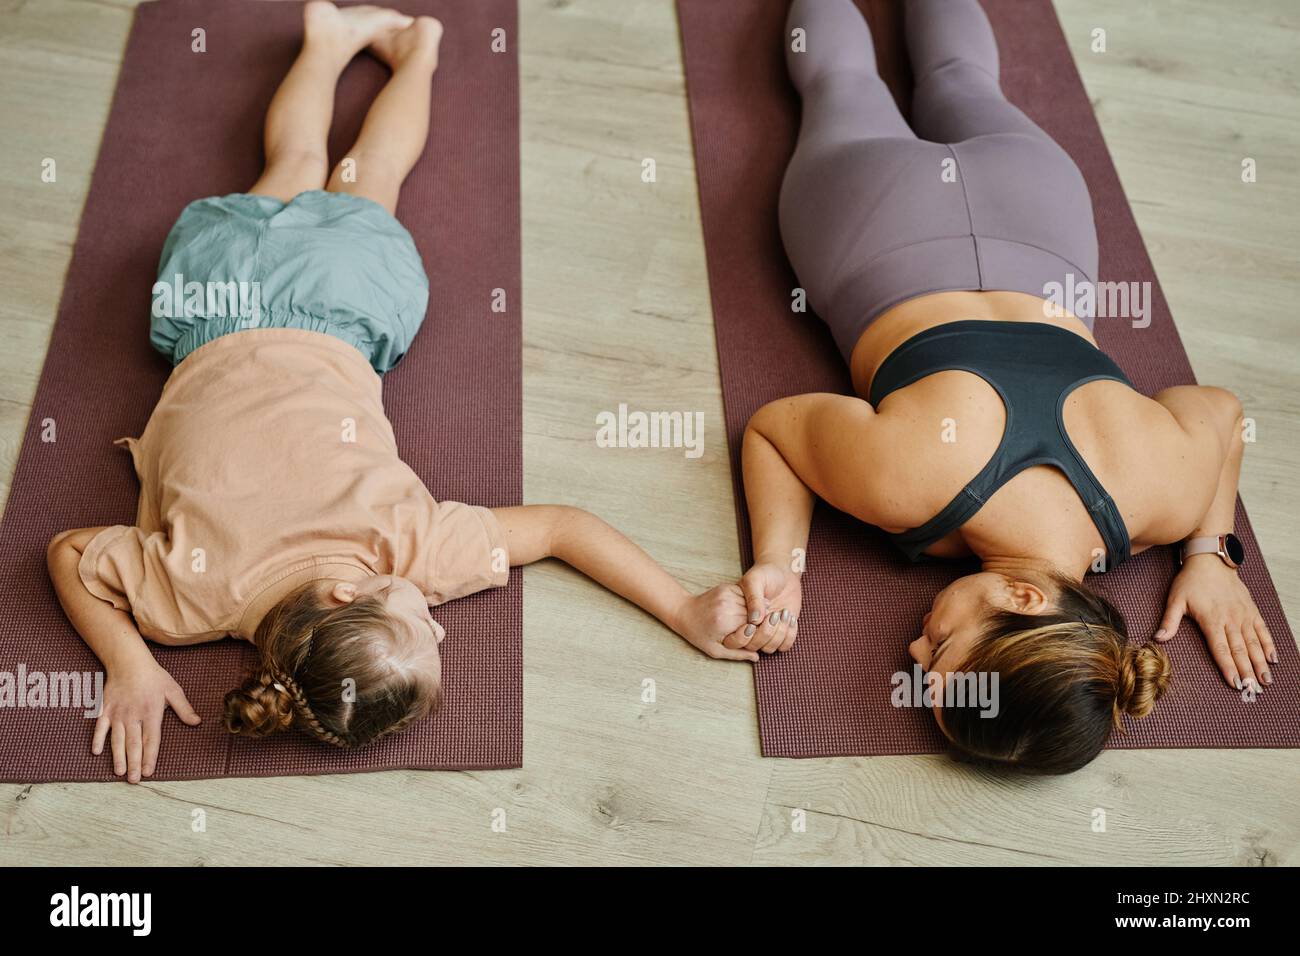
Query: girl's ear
x=344 y=592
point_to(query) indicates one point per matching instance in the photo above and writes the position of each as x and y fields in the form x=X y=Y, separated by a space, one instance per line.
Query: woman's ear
x=1026 y=598
x=343 y=592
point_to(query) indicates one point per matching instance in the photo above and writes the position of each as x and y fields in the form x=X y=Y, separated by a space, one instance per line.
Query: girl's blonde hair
x=331 y=670
x=1065 y=681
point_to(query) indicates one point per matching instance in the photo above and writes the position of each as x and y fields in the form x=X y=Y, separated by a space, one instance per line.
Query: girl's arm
x=588 y=544
x=137 y=690
x=110 y=633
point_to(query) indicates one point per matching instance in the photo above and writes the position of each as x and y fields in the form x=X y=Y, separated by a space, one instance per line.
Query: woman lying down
x=935 y=288
x=273 y=505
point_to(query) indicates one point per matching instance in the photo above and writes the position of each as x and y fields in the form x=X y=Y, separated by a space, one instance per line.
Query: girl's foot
x=419 y=41
x=350 y=30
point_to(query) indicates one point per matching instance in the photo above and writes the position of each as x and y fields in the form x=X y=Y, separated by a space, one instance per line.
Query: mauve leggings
x=971 y=196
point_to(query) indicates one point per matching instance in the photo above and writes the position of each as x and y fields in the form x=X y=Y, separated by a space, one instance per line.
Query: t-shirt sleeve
x=466 y=553
x=135 y=571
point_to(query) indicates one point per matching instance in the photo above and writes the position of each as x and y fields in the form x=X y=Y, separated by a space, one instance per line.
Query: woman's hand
x=1213 y=595
x=133 y=706
x=705 y=619
x=773 y=598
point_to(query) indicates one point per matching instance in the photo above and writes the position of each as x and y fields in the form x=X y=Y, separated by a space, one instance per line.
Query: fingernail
x=1238 y=683
x=1268 y=678
x=749 y=631
x=1272 y=658
x=1160 y=634
x=756 y=617
x=785 y=615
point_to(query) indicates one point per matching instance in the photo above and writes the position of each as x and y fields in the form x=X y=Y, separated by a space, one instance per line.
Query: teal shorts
x=325 y=262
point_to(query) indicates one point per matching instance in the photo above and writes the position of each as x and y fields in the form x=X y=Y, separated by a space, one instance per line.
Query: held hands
x=773 y=598
x=1214 y=596
x=134 y=702
x=705 y=619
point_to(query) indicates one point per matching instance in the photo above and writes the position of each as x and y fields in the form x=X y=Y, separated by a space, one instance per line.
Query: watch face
x=1236 y=553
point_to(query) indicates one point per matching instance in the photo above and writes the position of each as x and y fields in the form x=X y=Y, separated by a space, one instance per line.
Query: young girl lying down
x=273 y=505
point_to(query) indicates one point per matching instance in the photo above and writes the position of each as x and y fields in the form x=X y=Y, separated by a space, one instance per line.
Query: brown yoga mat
x=184 y=125
x=863 y=603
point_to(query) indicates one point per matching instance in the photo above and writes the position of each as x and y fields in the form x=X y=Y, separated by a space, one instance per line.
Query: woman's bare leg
x=298 y=120
x=397 y=126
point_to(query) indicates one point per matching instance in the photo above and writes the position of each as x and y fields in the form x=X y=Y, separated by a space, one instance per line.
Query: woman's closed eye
x=937 y=652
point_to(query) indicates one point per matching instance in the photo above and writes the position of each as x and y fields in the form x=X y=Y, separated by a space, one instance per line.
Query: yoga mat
x=185 y=125
x=863 y=603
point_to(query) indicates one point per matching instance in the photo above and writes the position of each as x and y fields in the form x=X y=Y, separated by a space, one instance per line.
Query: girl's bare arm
x=138 y=690
x=110 y=633
x=588 y=544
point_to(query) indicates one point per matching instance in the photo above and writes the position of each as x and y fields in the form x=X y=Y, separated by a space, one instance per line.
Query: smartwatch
x=1226 y=546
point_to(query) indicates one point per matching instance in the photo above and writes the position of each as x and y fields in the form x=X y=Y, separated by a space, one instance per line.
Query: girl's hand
x=705 y=619
x=134 y=702
x=773 y=597
x=1215 y=597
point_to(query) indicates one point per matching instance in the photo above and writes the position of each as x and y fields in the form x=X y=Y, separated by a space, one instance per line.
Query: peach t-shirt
x=269 y=462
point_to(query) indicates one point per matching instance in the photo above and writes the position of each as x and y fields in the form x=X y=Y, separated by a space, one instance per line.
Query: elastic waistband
x=962 y=263
x=247 y=338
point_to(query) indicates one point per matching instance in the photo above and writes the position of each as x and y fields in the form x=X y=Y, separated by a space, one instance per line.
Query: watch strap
x=1207 y=544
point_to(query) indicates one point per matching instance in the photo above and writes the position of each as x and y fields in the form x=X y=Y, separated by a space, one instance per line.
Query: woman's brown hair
x=1065 y=680
x=332 y=670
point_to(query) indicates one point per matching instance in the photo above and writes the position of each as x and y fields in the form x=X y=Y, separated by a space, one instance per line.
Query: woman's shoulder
x=1159 y=457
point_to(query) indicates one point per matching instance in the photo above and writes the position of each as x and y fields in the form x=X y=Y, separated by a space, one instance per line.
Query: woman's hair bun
x=1144 y=673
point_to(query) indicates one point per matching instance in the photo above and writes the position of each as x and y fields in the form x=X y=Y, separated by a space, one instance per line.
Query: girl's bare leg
x=397 y=126
x=298 y=120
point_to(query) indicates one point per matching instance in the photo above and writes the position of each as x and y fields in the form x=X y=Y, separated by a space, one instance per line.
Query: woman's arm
x=780 y=504
x=1225 y=419
x=138 y=690
x=1206 y=588
x=588 y=544
x=795 y=450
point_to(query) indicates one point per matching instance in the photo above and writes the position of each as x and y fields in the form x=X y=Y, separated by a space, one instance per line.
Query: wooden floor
x=617 y=309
